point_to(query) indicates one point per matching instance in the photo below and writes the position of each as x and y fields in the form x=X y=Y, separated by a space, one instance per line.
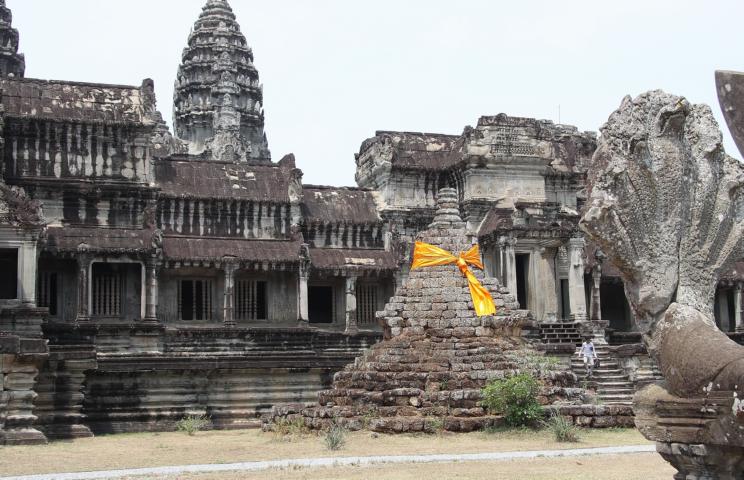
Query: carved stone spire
x=218 y=100
x=12 y=63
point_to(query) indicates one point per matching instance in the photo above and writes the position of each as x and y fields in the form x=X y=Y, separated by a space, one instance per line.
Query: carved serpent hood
x=666 y=205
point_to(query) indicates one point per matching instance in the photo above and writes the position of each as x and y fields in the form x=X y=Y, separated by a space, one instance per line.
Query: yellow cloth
x=426 y=255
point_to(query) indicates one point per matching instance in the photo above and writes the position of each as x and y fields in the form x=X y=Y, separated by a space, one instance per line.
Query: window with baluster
x=366 y=298
x=107 y=290
x=195 y=299
x=250 y=300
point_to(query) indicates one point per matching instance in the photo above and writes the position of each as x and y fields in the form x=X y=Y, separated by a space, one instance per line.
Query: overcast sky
x=335 y=71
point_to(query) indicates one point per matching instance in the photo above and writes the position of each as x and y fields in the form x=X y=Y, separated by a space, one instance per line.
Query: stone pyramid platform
x=437 y=354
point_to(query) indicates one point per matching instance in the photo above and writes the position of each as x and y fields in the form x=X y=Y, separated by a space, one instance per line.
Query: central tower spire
x=12 y=63
x=218 y=100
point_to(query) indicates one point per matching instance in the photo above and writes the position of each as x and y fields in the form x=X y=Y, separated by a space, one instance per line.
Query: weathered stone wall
x=59 y=407
x=234 y=376
x=22 y=353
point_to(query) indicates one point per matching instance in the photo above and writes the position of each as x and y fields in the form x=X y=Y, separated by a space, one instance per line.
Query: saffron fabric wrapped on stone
x=426 y=255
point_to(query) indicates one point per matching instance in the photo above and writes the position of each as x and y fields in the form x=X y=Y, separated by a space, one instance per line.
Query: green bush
x=515 y=398
x=563 y=429
x=335 y=437
x=192 y=424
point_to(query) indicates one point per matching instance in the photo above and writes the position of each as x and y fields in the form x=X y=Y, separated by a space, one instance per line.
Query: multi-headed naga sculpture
x=666 y=203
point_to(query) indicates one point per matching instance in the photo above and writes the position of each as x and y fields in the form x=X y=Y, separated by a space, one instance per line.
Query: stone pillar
x=576 y=291
x=595 y=304
x=84 y=260
x=151 y=291
x=303 y=275
x=351 y=306
x=510 y=266
x=737 y=307
x=27 y=255
x=230 y=266
x=499 y=262
x=546 y=286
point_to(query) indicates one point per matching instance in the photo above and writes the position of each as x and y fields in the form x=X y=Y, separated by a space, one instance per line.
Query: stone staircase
x=612 y=385
x=648 y=372
x=562 y=333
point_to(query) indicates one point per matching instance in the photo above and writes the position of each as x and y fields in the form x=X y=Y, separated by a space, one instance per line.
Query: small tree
x=515 y=398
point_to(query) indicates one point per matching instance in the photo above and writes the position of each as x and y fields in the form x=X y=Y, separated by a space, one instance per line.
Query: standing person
x=589 y=354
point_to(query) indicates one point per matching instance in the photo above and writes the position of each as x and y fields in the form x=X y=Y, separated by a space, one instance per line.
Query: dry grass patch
x=162 y=449
x=646 y=466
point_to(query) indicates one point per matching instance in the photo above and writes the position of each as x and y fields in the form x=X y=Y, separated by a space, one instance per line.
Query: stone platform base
x=397 y=420
x=22 y=436
x=703 y=462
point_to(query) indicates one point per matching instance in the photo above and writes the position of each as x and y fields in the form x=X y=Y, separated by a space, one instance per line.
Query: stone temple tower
x=12 y=63
x=218 y=102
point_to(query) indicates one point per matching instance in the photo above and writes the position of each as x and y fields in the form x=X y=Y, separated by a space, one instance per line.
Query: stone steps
x=612 y=385
x=560 y=333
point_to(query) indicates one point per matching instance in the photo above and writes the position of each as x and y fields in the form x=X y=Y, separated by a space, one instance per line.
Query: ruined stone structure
x=146 y=274
x=665 y=205
x=438 y=355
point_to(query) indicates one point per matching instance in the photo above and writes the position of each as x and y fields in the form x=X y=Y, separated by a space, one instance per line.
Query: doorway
x=523 y=264
x=320 y=304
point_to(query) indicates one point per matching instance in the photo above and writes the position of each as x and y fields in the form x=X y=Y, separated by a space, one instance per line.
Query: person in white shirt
x=589 y=354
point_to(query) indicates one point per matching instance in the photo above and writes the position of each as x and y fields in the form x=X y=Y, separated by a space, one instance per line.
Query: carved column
x=576 y=291
x=230 y=266
x=351 y=306
x=595 y=305
x=737 y=307
x=303 y=318
x=546 y=295
x=499 y=261
x=510 y=265
x=28 y=255
x=84 y=261
x=151 y=291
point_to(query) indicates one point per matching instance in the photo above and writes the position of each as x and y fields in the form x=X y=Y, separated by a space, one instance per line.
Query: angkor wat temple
x=148 y=274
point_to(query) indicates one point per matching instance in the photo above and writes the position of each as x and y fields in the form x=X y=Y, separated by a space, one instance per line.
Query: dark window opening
x=48 y=292
x=250 y=300
x=565 y=300
x=8 y=273
x=320 y=304
x=195 y=299
x=523 y=263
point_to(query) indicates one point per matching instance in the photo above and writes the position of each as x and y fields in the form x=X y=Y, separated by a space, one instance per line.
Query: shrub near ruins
x=515 y=398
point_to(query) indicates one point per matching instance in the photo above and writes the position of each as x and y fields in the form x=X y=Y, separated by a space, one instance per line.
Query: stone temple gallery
x=147 y=274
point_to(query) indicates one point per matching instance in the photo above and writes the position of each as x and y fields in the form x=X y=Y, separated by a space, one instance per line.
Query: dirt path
x=336 y=462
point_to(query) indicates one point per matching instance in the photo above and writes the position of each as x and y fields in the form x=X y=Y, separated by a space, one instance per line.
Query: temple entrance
x=523 y=264
x=320 y=304
x=724 y=309
x=565 y=299
x=615 y=306
x=8 y=273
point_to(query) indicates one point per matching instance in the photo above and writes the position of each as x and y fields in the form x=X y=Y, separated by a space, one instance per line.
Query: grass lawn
x=177 y=448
